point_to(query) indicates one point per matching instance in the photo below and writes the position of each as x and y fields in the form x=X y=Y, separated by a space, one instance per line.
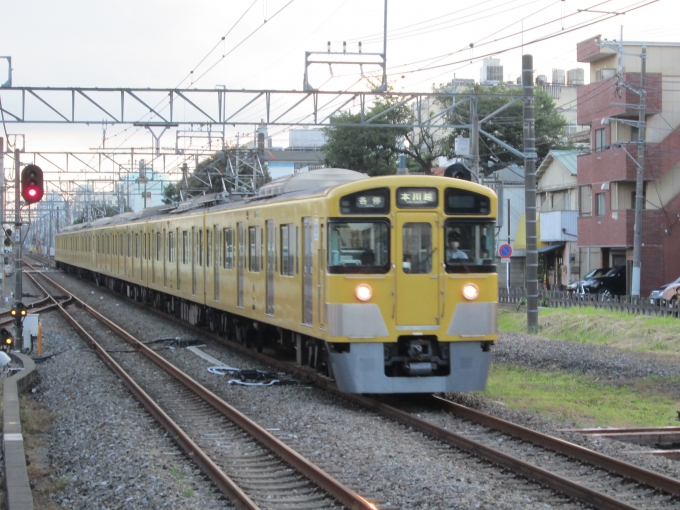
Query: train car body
x=388 y=284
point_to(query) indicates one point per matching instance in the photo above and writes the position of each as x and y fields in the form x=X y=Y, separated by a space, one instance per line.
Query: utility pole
x=18 y=275
x=639 y=185
x=530 y=192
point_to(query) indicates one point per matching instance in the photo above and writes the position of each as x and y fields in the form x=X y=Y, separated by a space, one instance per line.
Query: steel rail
x=659 y=481
x=555 y=482
x=226 y=485
x=329 y=484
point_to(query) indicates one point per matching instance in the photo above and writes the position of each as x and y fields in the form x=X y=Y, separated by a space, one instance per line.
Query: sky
x=261 y=44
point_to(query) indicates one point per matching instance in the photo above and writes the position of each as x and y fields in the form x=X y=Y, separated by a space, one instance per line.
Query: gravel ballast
x=107 y=452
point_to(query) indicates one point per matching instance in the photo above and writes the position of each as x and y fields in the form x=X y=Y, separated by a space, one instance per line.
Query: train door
x=179 y=254
x=307 y=275
x=240 y=261
x=271 y=261
x=322 y=260
x=165 y=265
x=418 y=261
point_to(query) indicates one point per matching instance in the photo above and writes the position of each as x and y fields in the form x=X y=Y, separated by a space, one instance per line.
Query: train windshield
x=469 y=246
x=358 y=246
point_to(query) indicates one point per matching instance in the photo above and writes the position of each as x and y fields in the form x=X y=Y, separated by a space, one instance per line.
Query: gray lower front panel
x=362 y=370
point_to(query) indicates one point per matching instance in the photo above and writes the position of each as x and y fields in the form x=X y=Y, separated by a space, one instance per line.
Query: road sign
x=505 y=251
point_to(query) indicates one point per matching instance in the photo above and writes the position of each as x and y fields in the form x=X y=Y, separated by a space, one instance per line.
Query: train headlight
x=470 y=291
x=363 y=292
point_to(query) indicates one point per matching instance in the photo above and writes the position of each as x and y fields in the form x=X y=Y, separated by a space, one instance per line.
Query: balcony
x=558 y=226
x=615 y=229
x=606 y=98
x=611 y=164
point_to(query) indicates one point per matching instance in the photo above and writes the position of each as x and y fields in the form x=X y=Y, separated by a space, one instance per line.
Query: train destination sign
x=373 y=201
x=417 y=197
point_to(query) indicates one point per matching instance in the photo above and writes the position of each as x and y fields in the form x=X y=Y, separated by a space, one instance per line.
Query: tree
x=374 y=150
x=508 y=125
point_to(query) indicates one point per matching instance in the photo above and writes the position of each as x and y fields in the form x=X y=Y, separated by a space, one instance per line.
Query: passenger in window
x=406 y=264
x=452 y=247
x=368 y=258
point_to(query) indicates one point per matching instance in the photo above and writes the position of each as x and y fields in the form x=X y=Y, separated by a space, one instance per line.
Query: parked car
x=612 y=283
x=577 y=287
x=670 y=289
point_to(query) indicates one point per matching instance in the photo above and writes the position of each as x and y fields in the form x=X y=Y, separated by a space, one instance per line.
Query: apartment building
x=607 y=174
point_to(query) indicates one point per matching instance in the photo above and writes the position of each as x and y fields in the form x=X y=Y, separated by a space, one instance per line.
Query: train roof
x=299 y=186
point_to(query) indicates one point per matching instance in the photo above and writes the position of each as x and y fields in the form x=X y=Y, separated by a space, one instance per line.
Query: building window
x=599 y=199
x=600 y=144
x=634 y=134
x=585 y=202
x=632 y=200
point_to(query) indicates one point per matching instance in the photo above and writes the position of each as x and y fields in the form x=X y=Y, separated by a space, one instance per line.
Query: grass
x=596 y=326
x=585 y=401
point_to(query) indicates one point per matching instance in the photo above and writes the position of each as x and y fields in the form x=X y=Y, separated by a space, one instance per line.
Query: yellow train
x=388 y=284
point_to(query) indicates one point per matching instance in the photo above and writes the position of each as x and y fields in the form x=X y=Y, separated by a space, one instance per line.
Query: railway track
x=250 y=466
x=583 y=475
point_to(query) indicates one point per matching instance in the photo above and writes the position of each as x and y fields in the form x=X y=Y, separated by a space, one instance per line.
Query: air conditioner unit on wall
x=604 y=74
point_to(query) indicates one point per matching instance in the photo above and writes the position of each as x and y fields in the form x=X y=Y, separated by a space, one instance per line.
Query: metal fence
x=557 y=299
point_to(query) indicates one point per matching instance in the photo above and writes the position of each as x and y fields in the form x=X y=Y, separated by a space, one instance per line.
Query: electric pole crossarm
x=338 y=108
x=501 y=109
x=292 y=107
x=46 y=104
x=179 y=93
x=97 y=105
x=523 y=155
x=383 y=113
x=153 y=111
x=245 y=106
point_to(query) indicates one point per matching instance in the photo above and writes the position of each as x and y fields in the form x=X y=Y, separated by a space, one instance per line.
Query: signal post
x=30 y=182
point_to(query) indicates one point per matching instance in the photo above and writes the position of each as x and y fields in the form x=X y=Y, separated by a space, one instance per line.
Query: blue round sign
x=505 y=251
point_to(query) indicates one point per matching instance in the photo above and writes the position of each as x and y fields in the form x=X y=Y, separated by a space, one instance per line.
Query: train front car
x=412 y=289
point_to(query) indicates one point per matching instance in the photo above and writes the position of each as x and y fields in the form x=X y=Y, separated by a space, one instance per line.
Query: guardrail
x=556 y=299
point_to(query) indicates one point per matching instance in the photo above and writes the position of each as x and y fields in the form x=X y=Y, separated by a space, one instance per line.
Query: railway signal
x=18 y=312
x=6 y=339
x=32 y=184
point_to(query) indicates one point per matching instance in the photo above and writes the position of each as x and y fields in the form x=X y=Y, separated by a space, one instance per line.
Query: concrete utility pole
x=530 y=192
x=18 y=290
x=639 y=185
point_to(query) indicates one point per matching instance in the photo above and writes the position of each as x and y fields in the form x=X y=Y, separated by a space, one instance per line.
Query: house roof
x=566 y=158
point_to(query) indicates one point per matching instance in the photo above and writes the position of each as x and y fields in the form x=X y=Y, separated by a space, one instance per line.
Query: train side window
x=288 y=250
x=185 y=247
x=136 y=246
x=255 y=244
x=200 y=247
x=158 y=246
x=171 y=246
x=129 y=245
x=208 y=247
x=228 y=235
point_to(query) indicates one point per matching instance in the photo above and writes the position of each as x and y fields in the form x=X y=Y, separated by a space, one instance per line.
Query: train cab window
x=417 y=248
x=228 y=235
x=357 y=246
x=469 y=246
x=288 y=250
x=255 y=251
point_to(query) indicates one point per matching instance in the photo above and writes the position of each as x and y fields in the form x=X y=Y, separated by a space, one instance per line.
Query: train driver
x=452 y=247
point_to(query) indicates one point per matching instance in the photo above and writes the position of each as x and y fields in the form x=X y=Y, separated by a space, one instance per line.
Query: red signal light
x=32 y=184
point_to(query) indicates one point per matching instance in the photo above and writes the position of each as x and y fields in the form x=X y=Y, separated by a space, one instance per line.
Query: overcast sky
x=158 y=43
